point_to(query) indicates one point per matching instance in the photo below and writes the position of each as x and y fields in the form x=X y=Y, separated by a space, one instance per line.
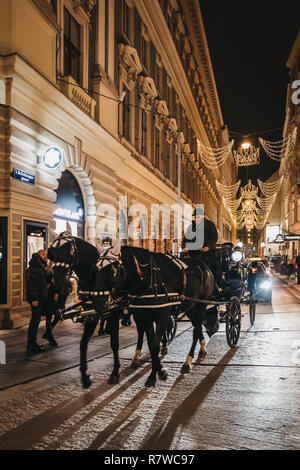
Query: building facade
x=290 y=165
x=72 y=141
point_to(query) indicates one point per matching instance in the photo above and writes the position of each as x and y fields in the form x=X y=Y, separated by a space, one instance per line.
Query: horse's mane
x=128 y=252
x=87 y=251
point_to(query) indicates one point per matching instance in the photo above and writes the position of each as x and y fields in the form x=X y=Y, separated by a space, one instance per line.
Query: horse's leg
x=89 y=328
x=136 y=361
x=113 y=326
x=164 y=349
x=154 y=351
x=202 y=353
x=185 y=369
x=101 y=327
x=159 y=335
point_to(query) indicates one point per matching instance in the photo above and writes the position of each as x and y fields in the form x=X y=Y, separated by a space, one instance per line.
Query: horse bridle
x=73 y=251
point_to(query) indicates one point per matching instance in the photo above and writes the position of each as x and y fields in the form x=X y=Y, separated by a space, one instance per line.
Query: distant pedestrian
x=38 y=280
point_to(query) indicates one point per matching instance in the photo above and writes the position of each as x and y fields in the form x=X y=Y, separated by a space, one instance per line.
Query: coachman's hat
x=198 y=211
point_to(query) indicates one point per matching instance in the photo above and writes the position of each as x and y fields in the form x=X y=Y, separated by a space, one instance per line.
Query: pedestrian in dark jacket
x=38 y=280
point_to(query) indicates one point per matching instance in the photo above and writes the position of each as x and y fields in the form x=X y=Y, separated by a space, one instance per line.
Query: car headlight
x=236 y=256
x=266 y=285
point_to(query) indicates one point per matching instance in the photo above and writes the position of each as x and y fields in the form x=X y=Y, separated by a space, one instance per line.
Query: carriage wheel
x=171 y=329
x=252 y=311
x=233 y=322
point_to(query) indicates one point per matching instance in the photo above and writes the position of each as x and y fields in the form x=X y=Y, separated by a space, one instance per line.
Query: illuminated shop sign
x=52 y=157
x=288 y=238
x=68 y=214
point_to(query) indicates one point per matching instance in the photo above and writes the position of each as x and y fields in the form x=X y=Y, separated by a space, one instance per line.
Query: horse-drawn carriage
x=155 y=287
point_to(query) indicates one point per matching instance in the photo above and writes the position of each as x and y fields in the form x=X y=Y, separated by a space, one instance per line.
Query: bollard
x=2 y=352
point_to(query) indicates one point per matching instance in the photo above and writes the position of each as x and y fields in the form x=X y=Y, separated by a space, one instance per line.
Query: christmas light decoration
x=214 y=158
x=249 y=191
x=282 y=148
x=269 y=189
x=246 y=156
x=228 y=191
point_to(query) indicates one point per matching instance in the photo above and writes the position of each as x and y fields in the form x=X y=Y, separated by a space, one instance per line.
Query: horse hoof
x=164 y=350
x=185 y=369
x=150 y=382
x=201 y=356
x=135 y=364
x=163 y=374
x=114 y=379
x=86 y=381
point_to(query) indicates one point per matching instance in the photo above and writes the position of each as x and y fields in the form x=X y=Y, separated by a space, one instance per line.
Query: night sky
x=250 y=43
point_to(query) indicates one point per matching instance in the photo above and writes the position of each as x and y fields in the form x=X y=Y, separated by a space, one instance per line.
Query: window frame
x=70 y=46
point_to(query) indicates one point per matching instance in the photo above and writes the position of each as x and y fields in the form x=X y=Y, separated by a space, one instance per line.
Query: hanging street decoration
x=282 y=148
x=249 y=191
x=214 y=158
x=255 y=210
x=246 y=156
x=228 y=191
x=268 y=189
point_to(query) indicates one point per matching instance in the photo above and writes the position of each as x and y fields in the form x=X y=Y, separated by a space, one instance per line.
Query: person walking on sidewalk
x=298 y=267
x=38 y=280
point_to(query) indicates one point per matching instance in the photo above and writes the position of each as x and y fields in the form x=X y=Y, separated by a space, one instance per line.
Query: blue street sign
x=23 y=176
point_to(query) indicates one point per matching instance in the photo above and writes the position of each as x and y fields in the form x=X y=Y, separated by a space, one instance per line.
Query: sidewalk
x=20 y=368
x=284 y=279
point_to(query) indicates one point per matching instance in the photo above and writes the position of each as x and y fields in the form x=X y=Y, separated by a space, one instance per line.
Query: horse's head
x=69 y=254
x=62 y=253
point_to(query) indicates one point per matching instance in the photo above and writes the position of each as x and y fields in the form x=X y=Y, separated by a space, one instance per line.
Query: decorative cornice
x=85 y=5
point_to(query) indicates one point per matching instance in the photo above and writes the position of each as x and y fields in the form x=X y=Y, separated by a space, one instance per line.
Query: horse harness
x=155 y=299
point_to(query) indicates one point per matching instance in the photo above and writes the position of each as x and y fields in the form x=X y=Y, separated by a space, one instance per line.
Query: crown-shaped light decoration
x=249 y=206
x=247 y=156
x=249 y=191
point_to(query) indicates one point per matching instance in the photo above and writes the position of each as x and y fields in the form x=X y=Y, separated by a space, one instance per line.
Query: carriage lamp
x=236 y=256
x=266 y=285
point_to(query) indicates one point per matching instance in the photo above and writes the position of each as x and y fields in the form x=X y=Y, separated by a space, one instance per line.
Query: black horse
x=139 y=274
x=156 y=281
x=96 y=283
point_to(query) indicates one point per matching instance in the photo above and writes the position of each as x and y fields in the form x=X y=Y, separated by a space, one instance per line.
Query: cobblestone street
x=247 y=398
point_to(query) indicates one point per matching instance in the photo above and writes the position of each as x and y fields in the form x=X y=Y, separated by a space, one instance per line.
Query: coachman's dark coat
x=210 y=235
